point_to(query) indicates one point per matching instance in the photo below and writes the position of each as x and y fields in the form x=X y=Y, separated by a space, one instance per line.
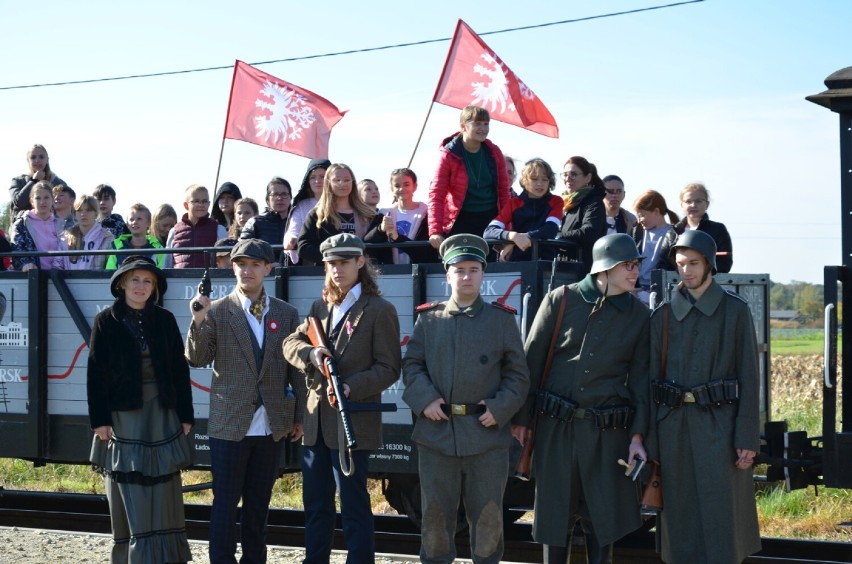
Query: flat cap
x=342 y=246
x=253 y=249
x=462 y=247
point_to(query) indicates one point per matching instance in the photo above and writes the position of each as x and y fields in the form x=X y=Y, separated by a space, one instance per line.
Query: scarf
x=573 y=199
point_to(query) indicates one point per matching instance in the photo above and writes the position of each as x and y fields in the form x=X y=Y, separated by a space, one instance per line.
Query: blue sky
x=712 y=92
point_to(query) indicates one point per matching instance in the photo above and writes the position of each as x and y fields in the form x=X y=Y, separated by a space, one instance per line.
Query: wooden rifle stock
x=523 y=469
x=316 y=335
x=652 y=498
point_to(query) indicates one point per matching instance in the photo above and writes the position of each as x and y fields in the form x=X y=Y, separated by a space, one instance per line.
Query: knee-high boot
x=556 y=554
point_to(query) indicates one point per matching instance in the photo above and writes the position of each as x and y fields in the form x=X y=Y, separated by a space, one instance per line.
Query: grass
x=786 y=342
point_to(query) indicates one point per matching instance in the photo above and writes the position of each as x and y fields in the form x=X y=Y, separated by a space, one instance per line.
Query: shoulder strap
x=665 y=341
x=550 y=352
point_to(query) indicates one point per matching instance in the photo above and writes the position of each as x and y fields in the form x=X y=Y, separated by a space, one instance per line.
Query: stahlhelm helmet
x=697 y=241
x=611 y=250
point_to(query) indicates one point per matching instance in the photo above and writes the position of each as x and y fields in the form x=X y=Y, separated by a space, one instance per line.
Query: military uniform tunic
x=601 y=359
x=709 y=513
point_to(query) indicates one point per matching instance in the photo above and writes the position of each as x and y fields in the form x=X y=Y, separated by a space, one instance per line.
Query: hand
x=186 y=427
x=520 y=433
x=506 y=252
x=104 y=432
x=298 y=432
x=317 y=357
x=636 y=449
x=436 y=240
x=329 y=390
x=434 y=412
x=39 y=175
x=198 y=316
x=290 y=244
x=522 y=240
x=389 y=227
x=745 y=458
x=487 y=418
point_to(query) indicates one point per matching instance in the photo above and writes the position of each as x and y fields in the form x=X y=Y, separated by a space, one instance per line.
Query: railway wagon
x=45 y=324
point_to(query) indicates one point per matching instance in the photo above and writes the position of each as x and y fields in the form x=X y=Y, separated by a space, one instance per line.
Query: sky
x=708 y=92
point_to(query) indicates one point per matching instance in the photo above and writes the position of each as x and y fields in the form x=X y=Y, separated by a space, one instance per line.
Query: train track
x=394 y=534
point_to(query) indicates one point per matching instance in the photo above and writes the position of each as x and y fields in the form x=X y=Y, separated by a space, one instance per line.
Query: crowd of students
x=471 y=192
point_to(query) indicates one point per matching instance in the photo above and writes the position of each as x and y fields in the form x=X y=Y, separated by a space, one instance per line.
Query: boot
x=595 y=553
x=556 y=554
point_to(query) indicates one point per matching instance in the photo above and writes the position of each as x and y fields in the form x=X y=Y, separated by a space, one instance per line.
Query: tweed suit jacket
x=368 y=357
x=224 y=338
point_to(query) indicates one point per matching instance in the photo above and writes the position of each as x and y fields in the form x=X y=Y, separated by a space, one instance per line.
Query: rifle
x=316 y=335
x=524 y=466
x=204 y=288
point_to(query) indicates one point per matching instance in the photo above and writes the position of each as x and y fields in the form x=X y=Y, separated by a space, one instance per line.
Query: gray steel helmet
x=611 y=250
x=697 y=241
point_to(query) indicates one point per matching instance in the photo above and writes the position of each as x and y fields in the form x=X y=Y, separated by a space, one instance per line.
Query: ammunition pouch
x=712 y=394
x=565 y=410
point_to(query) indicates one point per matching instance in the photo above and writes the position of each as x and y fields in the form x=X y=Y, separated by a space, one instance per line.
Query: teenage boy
x=139 y=222
x=242 y=334
x=464 y=399
x=706 y=422
x=195 y=229
x=471 y=184
x=63 y=206
x=114 y=223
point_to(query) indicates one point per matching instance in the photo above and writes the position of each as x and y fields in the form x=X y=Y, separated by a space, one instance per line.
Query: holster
x=652 y=498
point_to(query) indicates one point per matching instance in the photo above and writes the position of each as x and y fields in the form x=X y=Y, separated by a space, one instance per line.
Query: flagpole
x=419 y=137
x=227 y=118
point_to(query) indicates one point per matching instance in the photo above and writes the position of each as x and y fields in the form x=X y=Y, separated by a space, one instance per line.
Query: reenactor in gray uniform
x=705 y=429
x=465 y=378
x=593 y=407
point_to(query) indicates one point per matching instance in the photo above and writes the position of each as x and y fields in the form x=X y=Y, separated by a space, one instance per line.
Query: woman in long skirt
x=140 y=408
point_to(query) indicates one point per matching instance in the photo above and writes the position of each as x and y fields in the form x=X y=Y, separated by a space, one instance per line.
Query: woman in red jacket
x=471 y=185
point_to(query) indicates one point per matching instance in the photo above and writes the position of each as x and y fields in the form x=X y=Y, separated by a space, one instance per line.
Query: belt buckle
x=579 y=413
x=688 y=397
x=457 y=409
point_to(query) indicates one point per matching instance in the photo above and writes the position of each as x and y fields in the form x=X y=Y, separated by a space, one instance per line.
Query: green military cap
x=463 y=246
x=341 y=247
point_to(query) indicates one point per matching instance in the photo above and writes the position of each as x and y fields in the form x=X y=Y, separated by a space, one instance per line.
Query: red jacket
x=448 y=188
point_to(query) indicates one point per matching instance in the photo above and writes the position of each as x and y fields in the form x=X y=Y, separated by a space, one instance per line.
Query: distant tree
x=780 y=297
x=809 y=300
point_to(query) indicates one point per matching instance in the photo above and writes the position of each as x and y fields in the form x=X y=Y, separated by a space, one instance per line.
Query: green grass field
x=798 y=341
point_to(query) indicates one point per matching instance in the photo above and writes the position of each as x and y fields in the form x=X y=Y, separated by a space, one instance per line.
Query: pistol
x=204 y=288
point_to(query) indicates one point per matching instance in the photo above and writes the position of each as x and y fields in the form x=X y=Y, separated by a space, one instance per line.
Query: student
x=162 y=222
x=340 y=210
x=271 y=224
x=242 y=334
x=223 y=203
x=654 y=238
x=195 y=229
x=223 y=257
x=363 y=334
x=86 y=235
x=39 y=171
x=37 y=230
x=63 y=205
x=406 y=220
x=465 y=377
x=694 y=200
x=706 y=420
x=618 y=219
x=304 y=201
x=512 y=172
x=471 y=185
x=593 y=408
x=140 y=409
x=244 y=210
x=534 y=215
x=369 y=192
x=139 y=223
x=105 y=195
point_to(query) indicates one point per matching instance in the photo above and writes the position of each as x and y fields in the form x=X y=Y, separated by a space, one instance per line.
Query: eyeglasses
x=199 y=202
x=614 y=191
x=630 y=266
x=572 y=175
x=698 y=202
x=280 y=195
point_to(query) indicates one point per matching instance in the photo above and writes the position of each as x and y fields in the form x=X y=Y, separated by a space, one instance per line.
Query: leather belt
x=463 y=408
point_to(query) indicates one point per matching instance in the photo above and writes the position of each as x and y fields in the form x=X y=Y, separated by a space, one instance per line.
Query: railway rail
x=87 y=513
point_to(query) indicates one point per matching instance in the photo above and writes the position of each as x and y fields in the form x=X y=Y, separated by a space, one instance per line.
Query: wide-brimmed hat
x=341 y=247
x=137 y=262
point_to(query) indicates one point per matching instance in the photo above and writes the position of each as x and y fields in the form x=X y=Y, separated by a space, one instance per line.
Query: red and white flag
x=475 y=75
x=267 y=111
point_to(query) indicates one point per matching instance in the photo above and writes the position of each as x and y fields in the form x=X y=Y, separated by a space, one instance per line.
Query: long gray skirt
x=141 y=468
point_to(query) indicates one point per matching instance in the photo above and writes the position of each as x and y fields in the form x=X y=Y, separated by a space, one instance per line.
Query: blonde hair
x=325 y=205
x=474 y=113
x=192 y=189
x=48 y=174
x=74 y=236
x=695 y=187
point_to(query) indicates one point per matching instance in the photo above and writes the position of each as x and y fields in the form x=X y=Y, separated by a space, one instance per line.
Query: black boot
x=556 y=554
x=595 y=553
